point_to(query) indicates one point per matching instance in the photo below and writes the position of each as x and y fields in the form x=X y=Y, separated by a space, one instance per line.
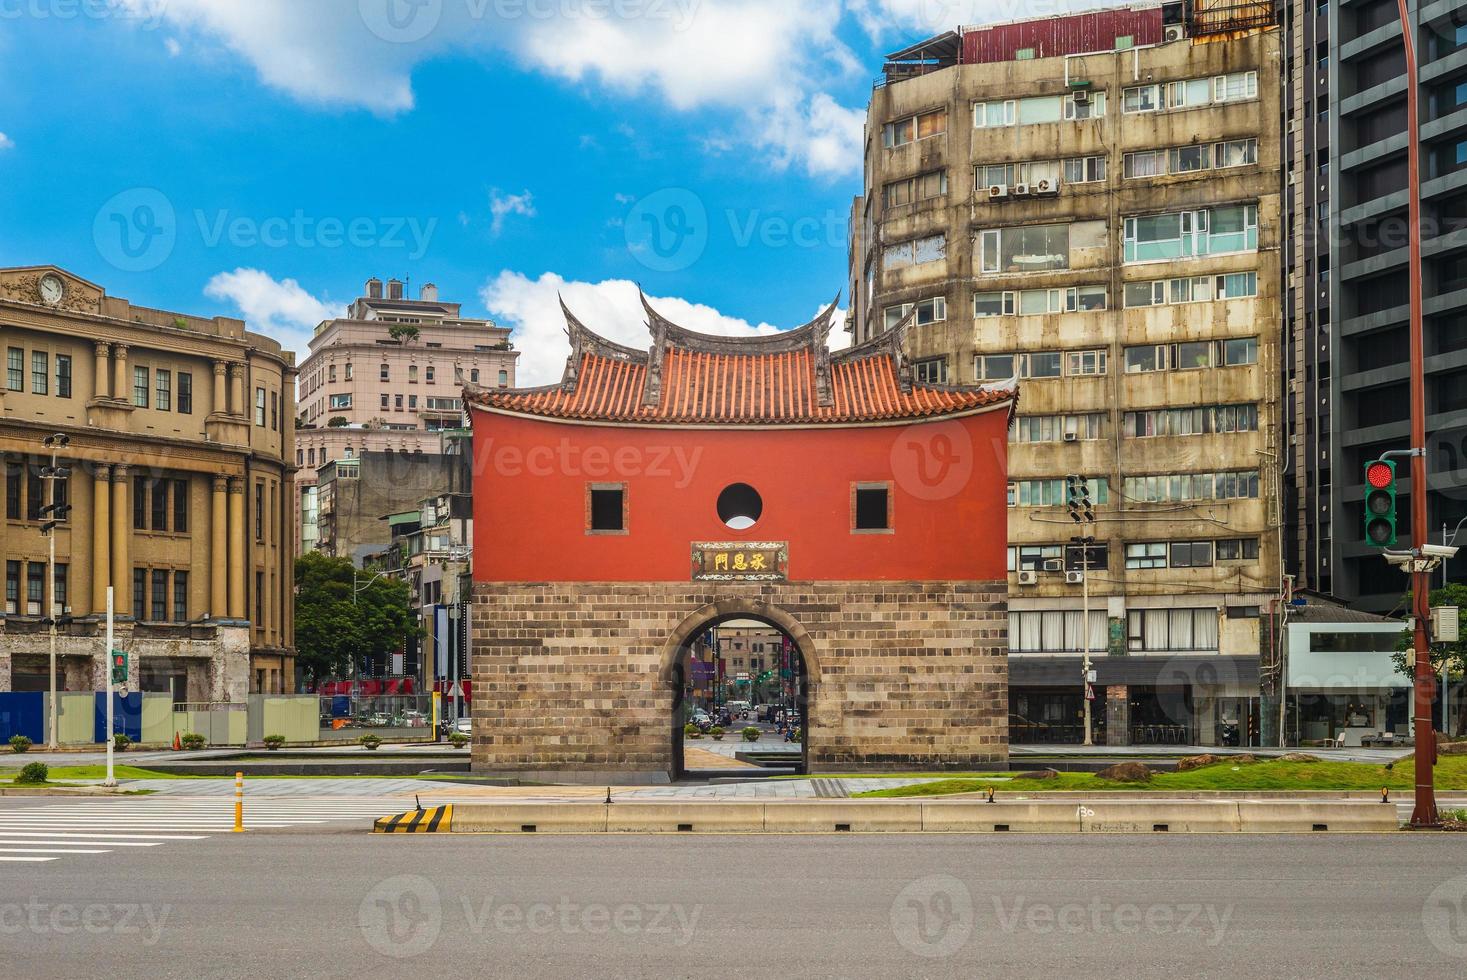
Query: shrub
x=458 y=739
x=717 y=732
x=692 y=731
x=34 y=772
x=120 y=742
x=192 y=740
x=751 y=734
x=273 y=742
x=369 y=742
x=798 y=735
x=19 y=743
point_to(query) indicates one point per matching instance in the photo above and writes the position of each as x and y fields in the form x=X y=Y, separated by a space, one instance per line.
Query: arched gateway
x=650 y=494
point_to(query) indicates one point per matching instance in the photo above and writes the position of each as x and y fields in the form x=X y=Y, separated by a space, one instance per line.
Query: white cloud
x=610 y=308
x=504 y=205
x=6 y=143
x=281 y=309
x=764 y=64
x=173 y=47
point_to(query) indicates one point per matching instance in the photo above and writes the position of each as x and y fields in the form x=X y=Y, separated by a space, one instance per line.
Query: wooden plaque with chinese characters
x=741 y=561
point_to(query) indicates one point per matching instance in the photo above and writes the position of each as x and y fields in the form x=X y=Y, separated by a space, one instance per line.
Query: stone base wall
x=575 y=676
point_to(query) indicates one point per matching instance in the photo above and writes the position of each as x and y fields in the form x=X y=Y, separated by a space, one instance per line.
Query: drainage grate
x=527 y=828
x=842 y=826
x=1321 y=826
x=684 y=827
x=1160 y=828
x=1000 y=828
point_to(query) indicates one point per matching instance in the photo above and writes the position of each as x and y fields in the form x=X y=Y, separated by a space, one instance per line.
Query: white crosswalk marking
x=40 y=834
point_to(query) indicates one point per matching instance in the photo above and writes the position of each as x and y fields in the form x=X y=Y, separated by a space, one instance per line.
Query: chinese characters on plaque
x=740 y=561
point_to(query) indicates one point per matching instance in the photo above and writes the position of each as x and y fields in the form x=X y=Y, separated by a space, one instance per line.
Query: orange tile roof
x=741 y=389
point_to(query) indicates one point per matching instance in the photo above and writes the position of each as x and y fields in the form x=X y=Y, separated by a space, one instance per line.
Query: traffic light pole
x=1424 y=813
x=1085 y=632
x=51 y=613
x=111 y=779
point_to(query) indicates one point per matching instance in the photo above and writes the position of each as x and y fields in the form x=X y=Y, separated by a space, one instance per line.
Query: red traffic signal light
x=1380 y=475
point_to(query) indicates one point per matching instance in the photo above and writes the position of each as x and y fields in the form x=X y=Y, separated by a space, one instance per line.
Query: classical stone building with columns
x=178 y=472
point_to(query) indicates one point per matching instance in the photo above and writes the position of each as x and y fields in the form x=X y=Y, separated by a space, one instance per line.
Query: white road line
x=32 y=860
x=156 y=837
x=107 y=843
x=50 y=850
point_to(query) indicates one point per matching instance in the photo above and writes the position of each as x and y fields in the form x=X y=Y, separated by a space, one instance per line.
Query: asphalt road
x=346 y=904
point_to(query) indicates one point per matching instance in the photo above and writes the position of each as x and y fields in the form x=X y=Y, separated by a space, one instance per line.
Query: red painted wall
x=948 y=484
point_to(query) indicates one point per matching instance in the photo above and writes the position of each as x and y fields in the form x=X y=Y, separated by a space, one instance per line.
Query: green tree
x=1453 y=656
x=331 y=631
x=403 y=333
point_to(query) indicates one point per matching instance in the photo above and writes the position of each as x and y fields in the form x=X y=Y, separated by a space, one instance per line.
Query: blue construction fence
x=24 y=713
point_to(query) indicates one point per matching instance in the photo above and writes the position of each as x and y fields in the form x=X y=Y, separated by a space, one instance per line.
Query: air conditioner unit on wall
x=1080 y=96
x=1174 y=33
x=1071 y=436
x=1074 y=578
x=1048 y=186
x=1028 y=576
x=1021 y=190
x=997 y=191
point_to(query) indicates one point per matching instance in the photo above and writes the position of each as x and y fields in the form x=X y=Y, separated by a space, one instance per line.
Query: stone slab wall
x=575 y=676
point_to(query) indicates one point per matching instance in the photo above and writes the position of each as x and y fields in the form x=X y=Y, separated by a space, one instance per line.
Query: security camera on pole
x=1082 y=512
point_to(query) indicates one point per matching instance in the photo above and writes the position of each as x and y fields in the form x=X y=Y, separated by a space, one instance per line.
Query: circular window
x=739 y=506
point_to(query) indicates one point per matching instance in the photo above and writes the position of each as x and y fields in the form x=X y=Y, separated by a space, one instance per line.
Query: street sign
x=1090 y=676
x=456 y=691
x=1089 y=693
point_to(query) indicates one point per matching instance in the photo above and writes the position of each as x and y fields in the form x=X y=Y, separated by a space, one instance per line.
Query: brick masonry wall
x=573 y=676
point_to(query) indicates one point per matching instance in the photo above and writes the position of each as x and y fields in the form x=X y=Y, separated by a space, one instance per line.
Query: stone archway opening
x=734 y=670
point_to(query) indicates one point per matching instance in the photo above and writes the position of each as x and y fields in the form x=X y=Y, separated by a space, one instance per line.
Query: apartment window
x=274 y=411
x=63 y=375
x=259 y=600
x=160 y=595
x=999 y=174
x=1052 y=493
x=1237 y=549
x=606 y=504
x=428 y=375
x=185 y=393
x=1034 y=248
x=930 y=310
x=1084 y=105
x=1042 y=364
x=40 y=372
x=180 y=506
x=259 y=512
x=872 y=507
x=412 y=374
x=1146 y=554
x=260 y=407
x=932 y=371
x=1056 y=630
x=330 y=373
x=412 y=403
x=1180 y=487
x=140 y=391
x=1165 y=630
x=1037 y=301
x=474 y=375
x=311 y=457
x=385 y=401
x=1185 y=234
x=1235 y=153
x=397 y=403
x=384 y=374
x=140 y=594
x=1144 y=163
x=159 y=509
x=1084 y=362
x=916 y=127
x=1243 y=350
x=342 y=400
x=993 y=367
x=1057 y=428
x=1237 y=285
x=1235 y=87
x=163 y=390
x=993 y=304
x=503 y=379
x=15 y=369
x=923 y=187
x=914 y=252
x=1234 y=418
x=12 y=588
x=1192 y=355
x=140 y=503
x=989 y=114
x=1141 y=98
x=1084 y=170
x=348 y=370
x=12 y=491
x=1191 y=554
x=180 y=597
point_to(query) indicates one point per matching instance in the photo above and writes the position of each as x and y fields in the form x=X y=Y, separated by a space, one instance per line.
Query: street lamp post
x=52 y=515
x=1082 y=512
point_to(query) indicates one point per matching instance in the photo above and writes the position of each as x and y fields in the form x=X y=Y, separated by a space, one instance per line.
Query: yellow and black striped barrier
x=432 y=820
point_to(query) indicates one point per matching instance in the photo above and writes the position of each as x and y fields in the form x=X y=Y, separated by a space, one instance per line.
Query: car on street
x=464 y=726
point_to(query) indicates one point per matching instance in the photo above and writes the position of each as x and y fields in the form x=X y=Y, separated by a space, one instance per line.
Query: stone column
x=100 y=382
x=236 y=390
x=101 y=531
x=120 y=384
x=121 y=539
x=220 y=405
x=236 y=549
x=1117 y=715
x=219 y=543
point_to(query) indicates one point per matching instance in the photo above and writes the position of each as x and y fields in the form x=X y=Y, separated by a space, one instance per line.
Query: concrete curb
x=933 y=817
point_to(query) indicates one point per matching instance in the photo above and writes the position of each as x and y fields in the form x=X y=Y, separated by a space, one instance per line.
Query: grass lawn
x=1451 y=774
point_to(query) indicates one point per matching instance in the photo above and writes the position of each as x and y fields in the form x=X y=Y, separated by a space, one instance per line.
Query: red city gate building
x=652 y=494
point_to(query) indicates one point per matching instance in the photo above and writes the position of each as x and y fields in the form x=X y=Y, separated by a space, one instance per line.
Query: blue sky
x=264 y=157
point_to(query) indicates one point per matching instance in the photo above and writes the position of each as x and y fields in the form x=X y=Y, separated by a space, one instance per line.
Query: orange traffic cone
x=177 y=745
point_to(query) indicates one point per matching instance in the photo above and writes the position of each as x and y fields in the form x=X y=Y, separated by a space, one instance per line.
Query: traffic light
x=1082 y=508
x=1380 y=503
x=119 y=667
x=55 y=514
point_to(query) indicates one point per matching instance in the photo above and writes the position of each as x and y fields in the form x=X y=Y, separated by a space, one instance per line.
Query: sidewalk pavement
x=1377 y=756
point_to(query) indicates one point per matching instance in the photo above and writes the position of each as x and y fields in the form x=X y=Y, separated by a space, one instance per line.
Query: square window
x=873 y=507
x=607 y=506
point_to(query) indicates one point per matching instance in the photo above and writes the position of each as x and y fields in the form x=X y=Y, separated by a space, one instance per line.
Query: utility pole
x=1082 y=512
x=111 y=779
x=1424 y=813
x=52 y=516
